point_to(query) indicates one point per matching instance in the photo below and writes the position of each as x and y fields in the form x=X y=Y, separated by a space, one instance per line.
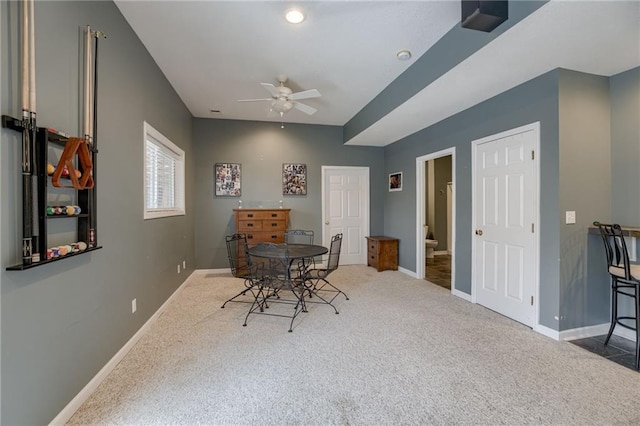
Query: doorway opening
x=435 y=210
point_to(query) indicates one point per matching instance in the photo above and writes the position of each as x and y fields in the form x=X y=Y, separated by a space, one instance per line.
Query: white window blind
x=164 y=176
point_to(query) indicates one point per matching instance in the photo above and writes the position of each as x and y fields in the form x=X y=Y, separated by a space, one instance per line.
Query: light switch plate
x=570 y=217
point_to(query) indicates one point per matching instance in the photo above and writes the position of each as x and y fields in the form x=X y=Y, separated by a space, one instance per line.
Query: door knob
x=478 y=231
x=327 y=222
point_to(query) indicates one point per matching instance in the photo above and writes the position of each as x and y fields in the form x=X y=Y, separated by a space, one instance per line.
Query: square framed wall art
x=227 y=179
x=294 y=179
x=395 y=181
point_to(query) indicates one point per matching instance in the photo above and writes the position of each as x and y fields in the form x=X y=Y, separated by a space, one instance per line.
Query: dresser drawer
x=249 y=225
x=372 y=247
x=244 y=215
x=274 y=225
x=261 y=215
x=265 y=237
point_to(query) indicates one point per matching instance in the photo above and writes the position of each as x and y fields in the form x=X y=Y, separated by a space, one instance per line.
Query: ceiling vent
x=484 y=15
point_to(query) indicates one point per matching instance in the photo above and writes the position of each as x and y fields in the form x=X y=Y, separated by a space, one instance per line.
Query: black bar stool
x=625 y=280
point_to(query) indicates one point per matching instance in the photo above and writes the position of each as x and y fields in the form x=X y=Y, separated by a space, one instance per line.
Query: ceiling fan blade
x=254 y=100
x=271 y=89
x=306 y=94
x=304 y=108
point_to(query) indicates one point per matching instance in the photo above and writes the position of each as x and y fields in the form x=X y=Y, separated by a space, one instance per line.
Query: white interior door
x=505 y=221
x=345 y=209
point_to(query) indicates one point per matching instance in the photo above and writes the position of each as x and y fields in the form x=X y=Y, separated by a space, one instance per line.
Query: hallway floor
x=619 y=349
x=438 y=270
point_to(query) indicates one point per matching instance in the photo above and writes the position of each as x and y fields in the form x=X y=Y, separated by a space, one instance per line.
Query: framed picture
x=395 y=181
x=227 y=177
x=294 y=179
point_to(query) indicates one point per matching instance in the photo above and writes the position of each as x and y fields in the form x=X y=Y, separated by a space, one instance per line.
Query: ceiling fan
x=283 y=99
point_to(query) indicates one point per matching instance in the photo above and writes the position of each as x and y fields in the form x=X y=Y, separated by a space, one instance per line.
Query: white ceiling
x=216 y=52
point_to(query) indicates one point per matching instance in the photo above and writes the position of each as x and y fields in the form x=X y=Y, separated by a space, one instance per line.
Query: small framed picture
x=227 y=179
x=395 y=181
x=294 y=179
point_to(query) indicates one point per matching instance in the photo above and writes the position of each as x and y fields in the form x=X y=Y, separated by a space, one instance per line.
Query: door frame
x=365 y=205
x=421 y=211
x=535 y=127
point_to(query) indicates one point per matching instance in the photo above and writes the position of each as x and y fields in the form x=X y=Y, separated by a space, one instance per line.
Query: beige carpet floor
x=401 y=351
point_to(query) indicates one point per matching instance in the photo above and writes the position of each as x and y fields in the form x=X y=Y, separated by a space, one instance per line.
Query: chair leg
x=614 y=309
x=336 y=289
x=242 y=293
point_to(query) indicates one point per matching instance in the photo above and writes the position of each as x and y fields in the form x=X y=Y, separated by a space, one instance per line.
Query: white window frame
x=171 y=149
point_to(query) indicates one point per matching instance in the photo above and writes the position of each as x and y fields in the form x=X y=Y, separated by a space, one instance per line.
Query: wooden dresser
x=382 y=253
x=262 y=225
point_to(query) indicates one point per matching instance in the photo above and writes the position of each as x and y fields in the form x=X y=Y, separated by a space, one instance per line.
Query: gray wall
x=584 y=187
x=62 y=322
x=536 y=100
x=261 y=148
x=625 y=147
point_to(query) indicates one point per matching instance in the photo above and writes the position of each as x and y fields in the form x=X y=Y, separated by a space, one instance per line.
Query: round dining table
x=287 y=251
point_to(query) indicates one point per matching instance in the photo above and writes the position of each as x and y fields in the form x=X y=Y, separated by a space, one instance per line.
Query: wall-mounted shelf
x=38 y=200
x=21 y=267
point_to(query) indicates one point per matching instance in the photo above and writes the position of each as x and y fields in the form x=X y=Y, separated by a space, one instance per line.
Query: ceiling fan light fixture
x=294 y=16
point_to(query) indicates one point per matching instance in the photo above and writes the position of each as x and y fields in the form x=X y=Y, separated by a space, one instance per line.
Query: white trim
x=180 y=182
x=440 y=252
x=213 y=271
x=407 y=272
x=535 y=127
x=546 y=331
x=93 y=384
x=420 y=210
x=366 y=206
x=582 y=332
x=461 y=295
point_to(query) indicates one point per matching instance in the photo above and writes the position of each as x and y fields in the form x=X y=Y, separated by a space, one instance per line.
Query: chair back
x=298 y=236
x=239 y=260
x=274 y=262
x=616 y=250
x=334 y=253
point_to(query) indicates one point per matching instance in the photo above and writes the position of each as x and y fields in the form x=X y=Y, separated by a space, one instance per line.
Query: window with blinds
x=164 y=176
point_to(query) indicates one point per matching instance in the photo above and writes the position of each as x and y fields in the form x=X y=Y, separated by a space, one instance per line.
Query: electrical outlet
x=184 y=264
x=178 y=268
x=134 y=306
x=570 y=217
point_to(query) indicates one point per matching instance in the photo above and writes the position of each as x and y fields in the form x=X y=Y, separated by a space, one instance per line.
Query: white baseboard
x=213 y=271
x=440 y=252
x=461 y=295
x=68 y=411
x=407 y=272
x=584 y=332
x=546 y=331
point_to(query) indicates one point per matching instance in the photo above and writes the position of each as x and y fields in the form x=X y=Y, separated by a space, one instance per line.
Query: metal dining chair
x=241 y=266
x=625 y=280
x=298 y=236
x=274 y=279
x=318 y=276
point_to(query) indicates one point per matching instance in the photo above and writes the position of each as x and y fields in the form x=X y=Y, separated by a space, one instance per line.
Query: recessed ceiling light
x=294 y=16
x=404 y=55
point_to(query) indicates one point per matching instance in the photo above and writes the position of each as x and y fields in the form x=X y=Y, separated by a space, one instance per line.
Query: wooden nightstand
x=382 y=253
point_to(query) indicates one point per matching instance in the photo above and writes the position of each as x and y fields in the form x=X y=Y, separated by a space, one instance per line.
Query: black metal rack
x=36 y=201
